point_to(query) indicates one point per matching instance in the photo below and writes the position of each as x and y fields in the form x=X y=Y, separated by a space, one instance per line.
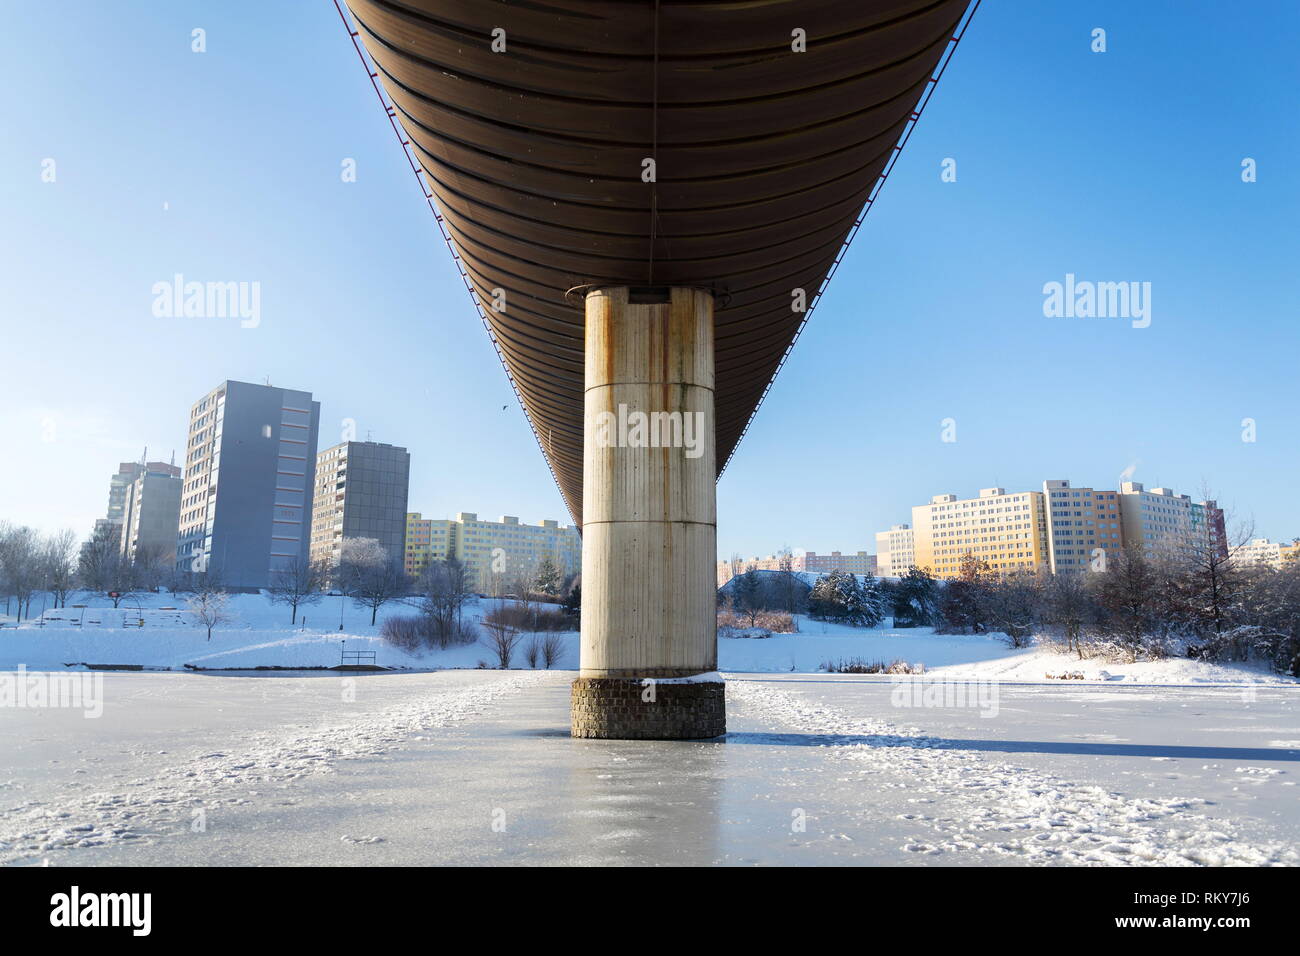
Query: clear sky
x=225 y=166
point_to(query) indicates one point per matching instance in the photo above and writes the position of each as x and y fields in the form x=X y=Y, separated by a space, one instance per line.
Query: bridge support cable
x=915 y=116
x=418 y=170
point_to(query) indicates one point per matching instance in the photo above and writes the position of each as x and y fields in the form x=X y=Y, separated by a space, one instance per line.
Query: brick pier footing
x=620 y=708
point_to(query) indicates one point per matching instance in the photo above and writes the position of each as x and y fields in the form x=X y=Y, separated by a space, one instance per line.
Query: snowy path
x=256 y=766
x=470 y=767
x=975 y=802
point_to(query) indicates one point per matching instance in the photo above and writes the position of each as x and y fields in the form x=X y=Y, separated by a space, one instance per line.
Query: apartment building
x=427 y=540
x=118 y=485
x=1261 y=551
x=360 y=491
x=1084 y=527
x=860 y=562
x=771 y=562
x=504 y=549
x=895 y=551
x=1163 y=522
x=1007 y=531
x=249 y=470
x=151 y=511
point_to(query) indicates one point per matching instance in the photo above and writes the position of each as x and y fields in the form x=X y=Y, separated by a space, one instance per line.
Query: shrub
x=407 y=632
x=551 y=646
x=860 y=665
x=545 y=649
x=733 y=624
x=415 y=632
x=528 y=619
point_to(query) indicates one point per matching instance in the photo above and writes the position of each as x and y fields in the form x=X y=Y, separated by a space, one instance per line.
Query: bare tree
x=369 y=575
x=1126 y=593
x=102 y=567
x=443 y=593
x=59 y=557
x=299 y=584
x=1215 y=574
x=501 y=638
x=7 y=531
x=210 y=608
x=149 y=566
x=1068 y=605
x=494 y=583
x=963 y=604
x=552 y=648
x=21 y=566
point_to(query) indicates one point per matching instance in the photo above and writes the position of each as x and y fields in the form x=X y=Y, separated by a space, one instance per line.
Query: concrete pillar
x=649 y=525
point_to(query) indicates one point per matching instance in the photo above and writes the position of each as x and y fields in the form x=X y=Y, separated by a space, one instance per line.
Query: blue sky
x=1119 y=166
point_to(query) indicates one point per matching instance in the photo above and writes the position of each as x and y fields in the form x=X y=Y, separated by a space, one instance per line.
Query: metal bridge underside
x=763 y=160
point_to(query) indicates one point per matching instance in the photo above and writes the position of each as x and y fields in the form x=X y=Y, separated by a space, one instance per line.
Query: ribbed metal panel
x=764 y=158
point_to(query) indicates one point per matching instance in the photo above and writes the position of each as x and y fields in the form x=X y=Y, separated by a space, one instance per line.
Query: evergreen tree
x=573 y=601
x=913 y=598
x=748 y=591
x=548 y=577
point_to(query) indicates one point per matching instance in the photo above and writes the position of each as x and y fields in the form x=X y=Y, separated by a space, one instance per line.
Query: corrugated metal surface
x=763 y=159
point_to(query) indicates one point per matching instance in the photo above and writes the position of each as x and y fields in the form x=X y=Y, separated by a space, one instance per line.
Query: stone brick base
x=614 y=708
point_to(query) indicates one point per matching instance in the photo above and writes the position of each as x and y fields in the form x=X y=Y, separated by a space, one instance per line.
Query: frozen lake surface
x=476 y=767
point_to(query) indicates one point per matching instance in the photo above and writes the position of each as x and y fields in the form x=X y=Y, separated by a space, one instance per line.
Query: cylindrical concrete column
x=649 y=519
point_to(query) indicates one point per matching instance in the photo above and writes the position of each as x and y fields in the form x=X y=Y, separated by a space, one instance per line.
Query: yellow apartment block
x=427 y=539
x=1008 y=531
x=506 y=548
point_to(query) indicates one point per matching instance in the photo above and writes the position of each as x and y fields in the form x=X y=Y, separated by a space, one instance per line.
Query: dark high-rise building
x=360 y=492
x=250 y=464
x=151 y=515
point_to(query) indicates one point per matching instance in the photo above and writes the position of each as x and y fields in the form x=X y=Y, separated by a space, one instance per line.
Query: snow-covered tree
x=1014 y=603
x=548 y=577
x=913 y=598
x=369 y=574
x=840 y=596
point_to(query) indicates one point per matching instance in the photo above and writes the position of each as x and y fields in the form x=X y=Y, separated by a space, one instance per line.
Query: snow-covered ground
x=1172 y=762
x=470 y=767
x=260 y=635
